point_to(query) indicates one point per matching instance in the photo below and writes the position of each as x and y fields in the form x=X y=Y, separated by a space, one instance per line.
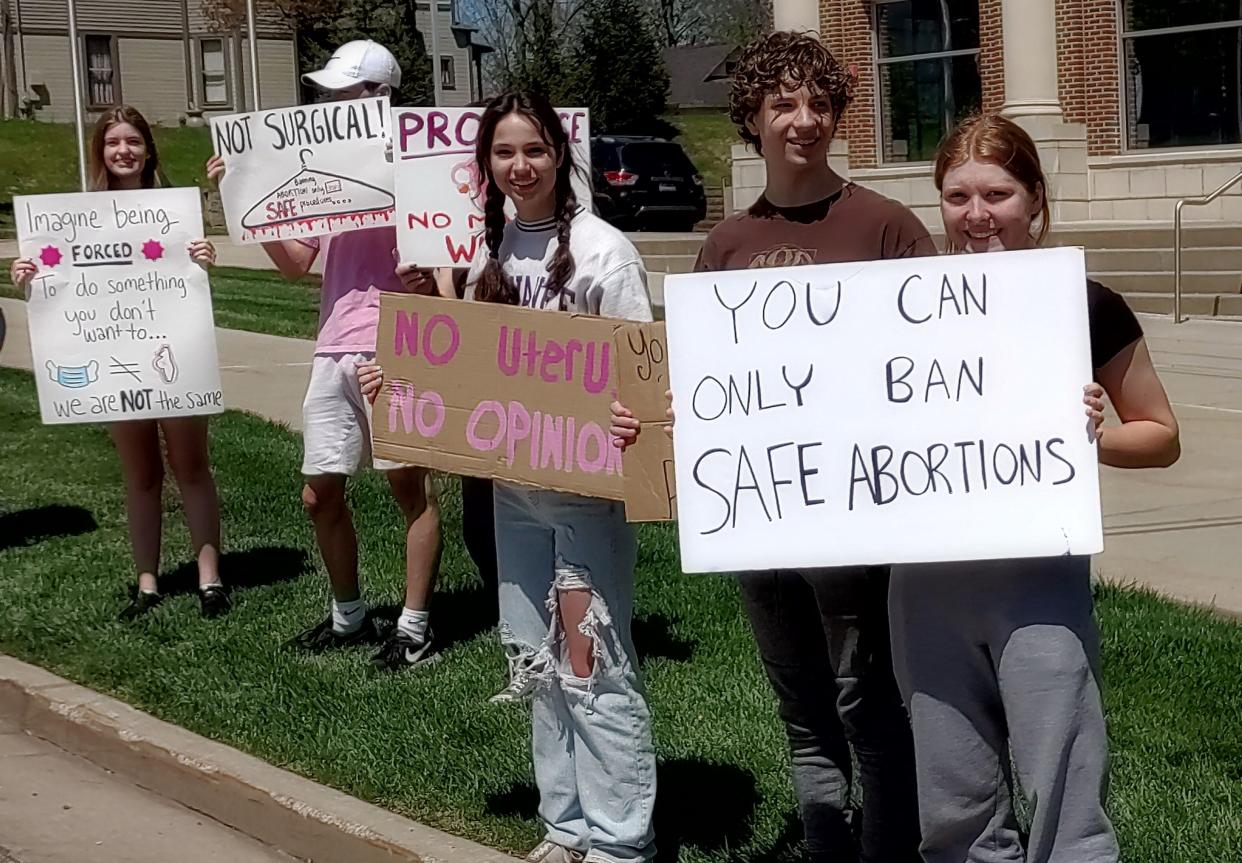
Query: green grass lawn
x=708 y=140
x=256 y=300
x=38 y=158
x=262 y=302
x=428 y=745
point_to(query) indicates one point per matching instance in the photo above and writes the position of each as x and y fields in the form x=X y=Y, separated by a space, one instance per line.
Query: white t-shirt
x=609 y=279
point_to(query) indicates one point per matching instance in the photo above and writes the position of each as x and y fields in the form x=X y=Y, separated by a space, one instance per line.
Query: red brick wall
x=1088 y=72
x=1071 y=60
x=1103 y=83
x=845 y=26
x=991 y=55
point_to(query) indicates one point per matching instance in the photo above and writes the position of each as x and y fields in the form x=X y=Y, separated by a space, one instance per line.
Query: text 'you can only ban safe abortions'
x=926 y=409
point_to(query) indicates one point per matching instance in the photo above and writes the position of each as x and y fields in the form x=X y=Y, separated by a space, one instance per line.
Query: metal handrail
x=1177 y=239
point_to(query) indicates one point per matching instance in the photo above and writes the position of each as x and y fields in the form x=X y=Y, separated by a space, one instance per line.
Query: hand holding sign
x=22 y=273
x=370 y=380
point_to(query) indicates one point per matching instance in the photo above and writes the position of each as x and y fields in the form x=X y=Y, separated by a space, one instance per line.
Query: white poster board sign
x=120 y=317
x=926 y=409
x=440 y=192
x=305 y=171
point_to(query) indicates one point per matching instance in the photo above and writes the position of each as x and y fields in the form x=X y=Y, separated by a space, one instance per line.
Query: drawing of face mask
x=73 y=377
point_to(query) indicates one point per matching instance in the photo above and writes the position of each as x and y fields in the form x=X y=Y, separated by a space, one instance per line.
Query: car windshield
x=657 y=159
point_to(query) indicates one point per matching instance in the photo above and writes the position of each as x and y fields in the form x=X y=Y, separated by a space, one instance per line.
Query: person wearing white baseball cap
x=356 y=64
x=336 y=420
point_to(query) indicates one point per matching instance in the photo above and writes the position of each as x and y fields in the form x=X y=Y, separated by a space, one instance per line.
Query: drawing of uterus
x=470 y=182
x=165 y=365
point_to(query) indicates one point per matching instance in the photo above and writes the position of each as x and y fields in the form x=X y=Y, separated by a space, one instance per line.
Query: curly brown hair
x=785 y=58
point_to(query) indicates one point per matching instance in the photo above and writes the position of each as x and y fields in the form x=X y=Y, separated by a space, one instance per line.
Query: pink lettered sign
x=517 y=394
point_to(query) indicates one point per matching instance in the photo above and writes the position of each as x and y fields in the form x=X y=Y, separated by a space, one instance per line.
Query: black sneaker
x=213 y=600
x=322 y=636
x=140 y=602
x=402 y=651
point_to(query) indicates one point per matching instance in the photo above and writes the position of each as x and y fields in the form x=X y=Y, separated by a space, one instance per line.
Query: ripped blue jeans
x=591 y=736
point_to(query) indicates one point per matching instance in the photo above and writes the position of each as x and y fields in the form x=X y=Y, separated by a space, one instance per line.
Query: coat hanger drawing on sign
x=362 y=197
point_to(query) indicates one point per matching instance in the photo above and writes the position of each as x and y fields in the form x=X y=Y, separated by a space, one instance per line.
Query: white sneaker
x=523 y=681
x=550 y=852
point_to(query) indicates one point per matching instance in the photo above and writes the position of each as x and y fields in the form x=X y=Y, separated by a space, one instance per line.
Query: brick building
x=1134 y=103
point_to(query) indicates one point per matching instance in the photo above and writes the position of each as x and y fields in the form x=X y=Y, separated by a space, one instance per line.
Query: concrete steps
x=1202 y=282
x=1137 y=261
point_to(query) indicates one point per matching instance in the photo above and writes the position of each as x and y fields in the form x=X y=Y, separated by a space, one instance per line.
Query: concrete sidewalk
x=153 y=792
x=58 y=808
x=1178 y=530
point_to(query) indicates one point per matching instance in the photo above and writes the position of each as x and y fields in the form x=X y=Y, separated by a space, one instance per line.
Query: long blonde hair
x=100 y=177
x=992 y=138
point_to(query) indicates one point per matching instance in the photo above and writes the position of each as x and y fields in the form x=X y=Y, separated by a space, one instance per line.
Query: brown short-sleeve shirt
x=853 y=224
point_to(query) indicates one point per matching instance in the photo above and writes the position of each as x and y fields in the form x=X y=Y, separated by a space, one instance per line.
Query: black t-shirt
x=1113 y=326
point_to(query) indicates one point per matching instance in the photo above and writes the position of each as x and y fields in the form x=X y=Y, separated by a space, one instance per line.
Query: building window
x=1183 y=73
x=213 y=73
x=448 y=75
x=927 y=73
x=103 y=85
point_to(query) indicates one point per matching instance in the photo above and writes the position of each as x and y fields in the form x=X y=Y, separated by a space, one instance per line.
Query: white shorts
x=336 y=419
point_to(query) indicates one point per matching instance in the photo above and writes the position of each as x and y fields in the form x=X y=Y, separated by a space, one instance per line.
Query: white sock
x=347 y=617
x=414 y=623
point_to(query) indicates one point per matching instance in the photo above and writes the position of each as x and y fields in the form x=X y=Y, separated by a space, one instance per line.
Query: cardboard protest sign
x=516 y=394
x=440 y=192
x=642 y=372
x=305 y=171
x=120 y=317
x=888 y=412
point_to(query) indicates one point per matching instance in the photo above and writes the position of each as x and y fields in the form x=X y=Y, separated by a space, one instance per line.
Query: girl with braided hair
x=566 y=562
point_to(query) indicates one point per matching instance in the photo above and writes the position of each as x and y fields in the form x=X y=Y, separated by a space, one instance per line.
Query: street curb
x=276 y=807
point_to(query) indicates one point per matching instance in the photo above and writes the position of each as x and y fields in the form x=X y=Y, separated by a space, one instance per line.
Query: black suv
x=644 y=183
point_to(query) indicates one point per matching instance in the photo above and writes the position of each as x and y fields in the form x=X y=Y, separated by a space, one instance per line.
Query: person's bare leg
x=138 y=446
x=324 y=498
x=186 y=440
x=573 y=606
x=412 y=489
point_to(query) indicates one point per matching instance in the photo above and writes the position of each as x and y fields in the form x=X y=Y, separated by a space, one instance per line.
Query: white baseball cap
x=355 y=62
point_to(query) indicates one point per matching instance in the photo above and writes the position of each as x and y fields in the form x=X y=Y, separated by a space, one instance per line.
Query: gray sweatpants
x=993 y=657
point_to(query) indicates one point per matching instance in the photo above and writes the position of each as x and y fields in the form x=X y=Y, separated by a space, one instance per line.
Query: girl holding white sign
x=123 y=157
x=1002 y=656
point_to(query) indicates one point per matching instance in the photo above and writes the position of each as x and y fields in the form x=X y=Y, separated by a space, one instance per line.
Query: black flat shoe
x=140 y=602
x=213 y=600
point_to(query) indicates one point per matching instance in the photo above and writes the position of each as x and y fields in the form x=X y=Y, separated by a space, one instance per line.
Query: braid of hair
x=492 y=287
x=561 y=267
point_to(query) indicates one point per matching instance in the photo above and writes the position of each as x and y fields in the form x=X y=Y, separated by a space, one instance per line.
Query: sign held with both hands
x=899 y=411
x=120 y=316
x=518 y=394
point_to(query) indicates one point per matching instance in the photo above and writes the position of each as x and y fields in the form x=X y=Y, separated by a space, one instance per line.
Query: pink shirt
x=357 y=265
